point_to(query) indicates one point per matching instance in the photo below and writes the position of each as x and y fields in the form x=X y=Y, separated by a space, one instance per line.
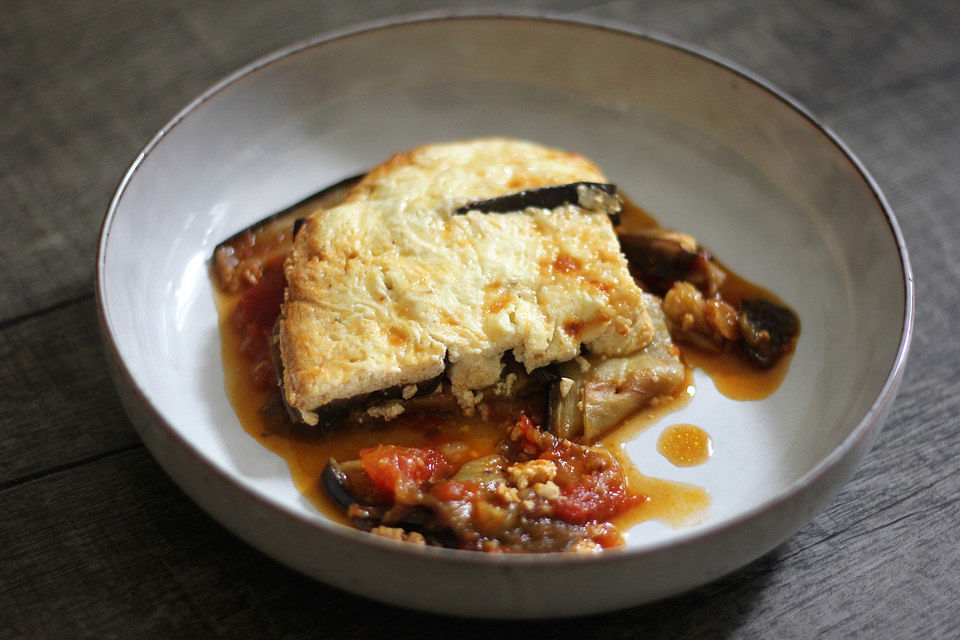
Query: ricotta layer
x=392 y=287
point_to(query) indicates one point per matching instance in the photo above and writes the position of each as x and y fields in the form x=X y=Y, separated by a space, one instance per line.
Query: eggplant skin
x=322 y=198
x=548 y=198
x=332 y=413
x=333 y=481
x=659 y=262
x=767 y=329
x=297 y=225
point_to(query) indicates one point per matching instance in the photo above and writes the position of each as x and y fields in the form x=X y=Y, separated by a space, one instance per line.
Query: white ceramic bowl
x=704 y=145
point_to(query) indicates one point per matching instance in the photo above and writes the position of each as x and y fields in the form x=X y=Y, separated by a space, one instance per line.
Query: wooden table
x=96 y=541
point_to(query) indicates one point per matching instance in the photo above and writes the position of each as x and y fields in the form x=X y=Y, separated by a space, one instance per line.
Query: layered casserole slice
x=464 y=269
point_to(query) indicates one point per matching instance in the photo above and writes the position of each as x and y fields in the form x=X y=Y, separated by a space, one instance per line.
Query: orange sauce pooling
x=685 y=445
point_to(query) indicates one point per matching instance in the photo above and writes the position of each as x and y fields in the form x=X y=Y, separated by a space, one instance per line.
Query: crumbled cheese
x=547 y=490
x=508 y=494
x=505 y=385
x=524 y=474
x=468 y=401
x=395 y=533
x=387 y=411
x=565 y=385
x=584 y=545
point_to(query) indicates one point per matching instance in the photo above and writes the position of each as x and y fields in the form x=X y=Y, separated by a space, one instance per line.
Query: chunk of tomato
x=596 y=497
x=456 y=491
x=402 y=471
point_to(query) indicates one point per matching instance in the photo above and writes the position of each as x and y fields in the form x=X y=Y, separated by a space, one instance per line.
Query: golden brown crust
x=390 y=286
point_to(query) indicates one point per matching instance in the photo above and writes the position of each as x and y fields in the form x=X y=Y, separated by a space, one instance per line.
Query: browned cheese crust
x=393 y=288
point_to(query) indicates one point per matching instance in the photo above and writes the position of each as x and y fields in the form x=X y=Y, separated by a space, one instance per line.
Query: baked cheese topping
x=392 y=288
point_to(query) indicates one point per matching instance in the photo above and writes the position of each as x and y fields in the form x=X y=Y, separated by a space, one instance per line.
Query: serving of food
x=445 y=348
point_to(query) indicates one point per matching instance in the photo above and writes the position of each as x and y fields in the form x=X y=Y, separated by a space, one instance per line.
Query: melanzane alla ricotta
x=394 y=287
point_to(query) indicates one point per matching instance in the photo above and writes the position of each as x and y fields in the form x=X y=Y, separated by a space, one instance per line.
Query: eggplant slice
x=336 y=482
x=664 y=262
x=766 y=330
x=659 y=258
x=602 y=392
x=594 y=196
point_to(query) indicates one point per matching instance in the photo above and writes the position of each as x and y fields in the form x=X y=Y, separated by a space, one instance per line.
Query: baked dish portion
x=438 y=347
x=413 y=278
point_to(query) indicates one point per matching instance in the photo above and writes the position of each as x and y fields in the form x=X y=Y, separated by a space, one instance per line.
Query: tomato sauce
x=399 y=471
x=254 y=316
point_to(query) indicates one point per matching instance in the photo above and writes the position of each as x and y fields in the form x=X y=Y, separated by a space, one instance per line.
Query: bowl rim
x=692 y=535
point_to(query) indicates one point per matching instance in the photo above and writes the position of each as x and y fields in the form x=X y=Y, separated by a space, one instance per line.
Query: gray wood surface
x=96 y=541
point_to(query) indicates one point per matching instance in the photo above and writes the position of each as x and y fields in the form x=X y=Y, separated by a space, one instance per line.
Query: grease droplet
x=685 y=445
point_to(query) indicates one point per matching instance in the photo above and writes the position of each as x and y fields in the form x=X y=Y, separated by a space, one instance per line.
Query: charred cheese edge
x=392 y=288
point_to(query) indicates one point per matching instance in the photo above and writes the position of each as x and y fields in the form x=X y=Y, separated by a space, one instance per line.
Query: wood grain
x=57 y=406
x=97 y=542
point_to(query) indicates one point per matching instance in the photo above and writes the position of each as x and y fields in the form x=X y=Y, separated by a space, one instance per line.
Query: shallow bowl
x=702 y=144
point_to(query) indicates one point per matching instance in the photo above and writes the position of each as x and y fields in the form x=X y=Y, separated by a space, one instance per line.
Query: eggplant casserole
x=461 y=325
